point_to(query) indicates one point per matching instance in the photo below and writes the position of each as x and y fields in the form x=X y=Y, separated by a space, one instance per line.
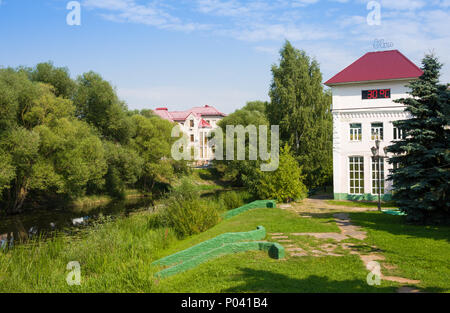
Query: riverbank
x=93 y=200
x=115 y=256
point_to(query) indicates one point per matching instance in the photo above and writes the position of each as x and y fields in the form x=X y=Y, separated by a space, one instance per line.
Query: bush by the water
x=185 y=212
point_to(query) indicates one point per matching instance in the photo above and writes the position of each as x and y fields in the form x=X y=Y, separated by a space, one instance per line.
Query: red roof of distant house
x=376 y=66
x=183 y=115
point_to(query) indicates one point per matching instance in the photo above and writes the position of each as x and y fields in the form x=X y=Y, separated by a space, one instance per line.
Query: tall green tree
x=153 y=142
x=7 y=171
x=303 y=110
x=44 y=147
x=243 y=172
x=125 y=167
x=58 y=77
x=97 y=103
x=421 y=174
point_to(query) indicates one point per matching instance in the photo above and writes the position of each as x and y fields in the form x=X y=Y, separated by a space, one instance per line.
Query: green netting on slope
x=214 y=243
x=259 y=204
x=275 y=250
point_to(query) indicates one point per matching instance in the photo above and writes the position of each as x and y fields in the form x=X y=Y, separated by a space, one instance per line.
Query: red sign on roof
x=376 y=66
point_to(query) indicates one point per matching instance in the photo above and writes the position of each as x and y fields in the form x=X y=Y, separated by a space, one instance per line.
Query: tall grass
x=114 y=257
x=234 y=199
x=185 y=212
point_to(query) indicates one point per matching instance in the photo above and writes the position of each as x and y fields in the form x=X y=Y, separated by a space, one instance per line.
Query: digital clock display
x=376 y=94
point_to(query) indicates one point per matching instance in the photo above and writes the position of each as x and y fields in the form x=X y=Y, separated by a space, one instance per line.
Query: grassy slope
x=256 y=272
x=115 y=257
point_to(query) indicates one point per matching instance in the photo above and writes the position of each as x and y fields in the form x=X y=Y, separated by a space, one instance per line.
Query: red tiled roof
x=376 y=66
x=183 y=115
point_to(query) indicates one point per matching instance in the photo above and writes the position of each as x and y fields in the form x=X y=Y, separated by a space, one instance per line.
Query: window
x=377 y=131
x=377 y=175
x=355 y=132
x=356 y=175
x=395 y=166
x=192 y=138
x=398 y=134
x=191 y=123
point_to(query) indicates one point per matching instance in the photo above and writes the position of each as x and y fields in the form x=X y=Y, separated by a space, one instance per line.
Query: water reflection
x=43 y=223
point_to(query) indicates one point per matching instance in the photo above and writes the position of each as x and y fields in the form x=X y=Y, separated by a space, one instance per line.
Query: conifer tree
x=421 y=160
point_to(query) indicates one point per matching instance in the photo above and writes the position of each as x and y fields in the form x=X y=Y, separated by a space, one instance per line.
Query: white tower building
x=363 y=111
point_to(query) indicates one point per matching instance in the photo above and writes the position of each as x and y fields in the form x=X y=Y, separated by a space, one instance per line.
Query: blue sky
x=180 y=53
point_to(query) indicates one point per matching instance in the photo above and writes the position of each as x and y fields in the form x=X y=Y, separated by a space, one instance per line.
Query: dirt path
x=310 y=207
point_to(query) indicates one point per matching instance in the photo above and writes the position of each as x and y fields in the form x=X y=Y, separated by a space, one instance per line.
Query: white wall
x=347 y=97
x=348 y=107
x=196 y=131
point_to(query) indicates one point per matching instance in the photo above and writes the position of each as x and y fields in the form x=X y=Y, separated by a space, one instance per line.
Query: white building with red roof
x=363 y=111
x=196 y=123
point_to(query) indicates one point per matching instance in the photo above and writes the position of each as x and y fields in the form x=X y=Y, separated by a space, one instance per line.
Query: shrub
x=286 y=183
x=185 y=212
x=234 y=199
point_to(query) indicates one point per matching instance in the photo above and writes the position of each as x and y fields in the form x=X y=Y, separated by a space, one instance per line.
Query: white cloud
x=444 y=3
x=413 y=26
x=151 y=14
x=403 y=4
x=303 y=3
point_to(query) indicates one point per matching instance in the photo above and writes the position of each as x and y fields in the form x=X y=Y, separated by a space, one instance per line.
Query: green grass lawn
x=274 y=220
x=256 y=272
x=362 y=204
x=418 y=252
x=116 y=257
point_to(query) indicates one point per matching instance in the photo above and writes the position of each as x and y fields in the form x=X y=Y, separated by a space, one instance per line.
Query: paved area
x=337 y=248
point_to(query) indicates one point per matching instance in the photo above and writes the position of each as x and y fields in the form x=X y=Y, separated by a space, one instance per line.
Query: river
x=43 y=223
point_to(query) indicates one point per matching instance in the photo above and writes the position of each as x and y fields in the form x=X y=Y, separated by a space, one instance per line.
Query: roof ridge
x=376 y=66
x=408 y=60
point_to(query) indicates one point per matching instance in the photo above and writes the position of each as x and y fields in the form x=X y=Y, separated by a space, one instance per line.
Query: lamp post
x=377 y=157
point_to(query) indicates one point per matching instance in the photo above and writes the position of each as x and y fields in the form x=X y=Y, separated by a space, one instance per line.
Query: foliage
x=71 y=155
x=286 y=183
x=302 y=109
x=243 y=172
x=7 y=171
x=125 y=167
x=421 y=179
x=58 y=77
x=65 y=137
x=186 y=213
x=232 y=200
x=153 y=141
x=97 y=103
